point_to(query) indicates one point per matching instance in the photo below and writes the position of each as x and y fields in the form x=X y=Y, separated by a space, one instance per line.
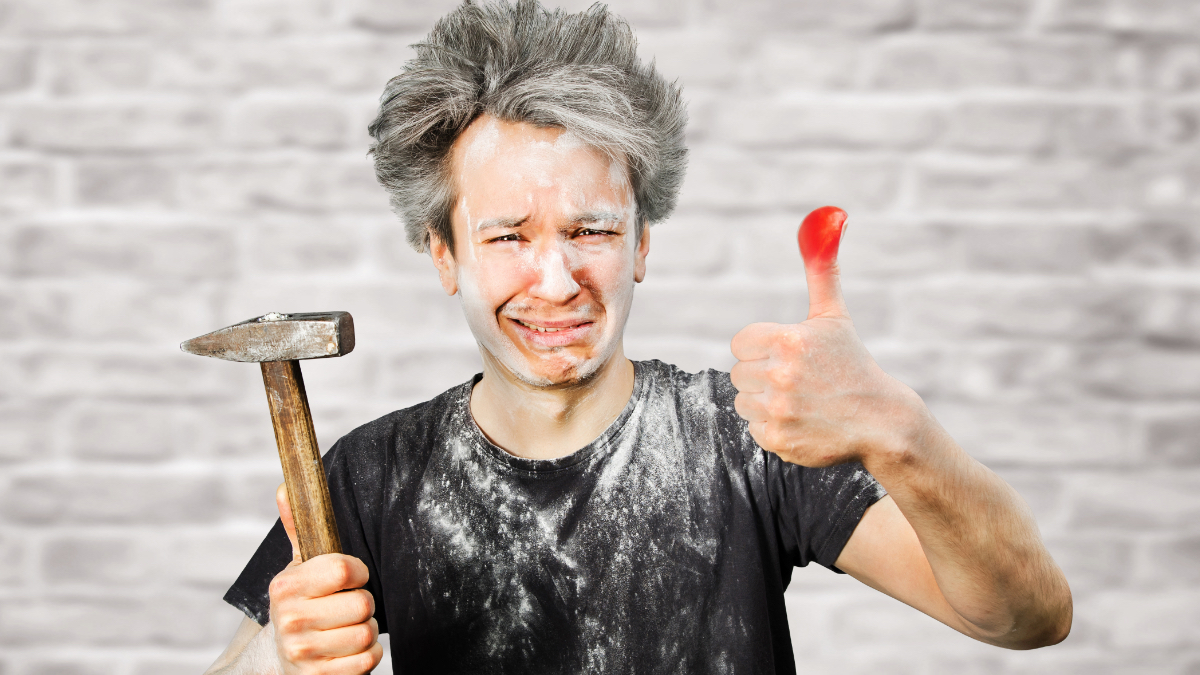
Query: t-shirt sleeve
x=810 y=512
x=249 y=592
x=816 y=510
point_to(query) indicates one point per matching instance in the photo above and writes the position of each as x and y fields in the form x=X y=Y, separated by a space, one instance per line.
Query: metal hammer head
x=279 y=337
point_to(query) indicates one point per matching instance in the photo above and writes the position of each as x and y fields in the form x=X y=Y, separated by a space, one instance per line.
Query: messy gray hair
x=524 y=63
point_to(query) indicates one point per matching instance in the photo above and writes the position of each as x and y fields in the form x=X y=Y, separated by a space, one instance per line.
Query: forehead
x=502 y=163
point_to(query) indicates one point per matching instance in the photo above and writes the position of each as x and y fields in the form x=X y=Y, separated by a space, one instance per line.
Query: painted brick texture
x=1024 y=191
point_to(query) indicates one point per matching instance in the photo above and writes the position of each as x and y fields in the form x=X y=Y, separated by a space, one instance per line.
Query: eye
x=590 y=231
x=506 y=237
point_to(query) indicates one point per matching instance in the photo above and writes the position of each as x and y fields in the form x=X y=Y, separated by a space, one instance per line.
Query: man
x=571 y=511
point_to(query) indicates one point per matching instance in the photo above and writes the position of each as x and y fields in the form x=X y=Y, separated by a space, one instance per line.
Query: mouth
x=552 y=333
x=554 y=328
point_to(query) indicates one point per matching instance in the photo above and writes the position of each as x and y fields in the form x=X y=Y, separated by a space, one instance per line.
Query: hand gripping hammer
x=277 y=342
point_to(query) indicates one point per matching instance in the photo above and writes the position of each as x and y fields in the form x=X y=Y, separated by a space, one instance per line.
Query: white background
x=1022 y=179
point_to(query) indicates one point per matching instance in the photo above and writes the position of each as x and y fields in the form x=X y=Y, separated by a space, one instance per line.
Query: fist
x=811 y=392
x=323 y=619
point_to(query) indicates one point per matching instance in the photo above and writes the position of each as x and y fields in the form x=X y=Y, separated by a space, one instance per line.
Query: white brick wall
x=1023 y=184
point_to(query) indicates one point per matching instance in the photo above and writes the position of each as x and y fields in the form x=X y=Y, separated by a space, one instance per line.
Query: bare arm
x=250 y=652
x=956 y=542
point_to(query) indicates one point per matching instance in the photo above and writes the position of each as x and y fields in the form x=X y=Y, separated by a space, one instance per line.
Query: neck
x=549 y=422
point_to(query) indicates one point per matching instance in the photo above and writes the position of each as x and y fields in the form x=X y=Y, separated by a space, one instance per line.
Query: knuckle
x=361 y=662
x=281 y=586
x=349 y=568
x=289 y=623
x=789 y=344
x=343 y=571
x=363 y=605
x=295 y=651
x=779 y=378
x=364 y=637
x=373 y=656
x=778 y=408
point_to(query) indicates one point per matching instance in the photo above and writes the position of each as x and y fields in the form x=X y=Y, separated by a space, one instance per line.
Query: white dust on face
x=560 y=268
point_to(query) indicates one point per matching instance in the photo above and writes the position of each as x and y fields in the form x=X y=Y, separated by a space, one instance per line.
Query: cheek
x=606 y=273
x=496 y=278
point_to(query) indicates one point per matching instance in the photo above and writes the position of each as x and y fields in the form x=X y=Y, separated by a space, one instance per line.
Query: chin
x=558 y=372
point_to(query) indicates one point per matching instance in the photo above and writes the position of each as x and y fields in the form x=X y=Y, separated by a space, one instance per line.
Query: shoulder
x=409 y=431
x=706 y=392
x=702 y=404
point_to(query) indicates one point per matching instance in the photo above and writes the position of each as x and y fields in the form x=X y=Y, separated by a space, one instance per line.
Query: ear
x=443 y=260
x=643 y=249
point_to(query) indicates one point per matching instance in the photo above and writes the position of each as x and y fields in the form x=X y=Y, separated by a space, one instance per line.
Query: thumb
x=820 y=234
x=285 y=517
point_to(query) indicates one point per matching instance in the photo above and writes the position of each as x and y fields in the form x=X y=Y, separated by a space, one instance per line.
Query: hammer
x=277 y=342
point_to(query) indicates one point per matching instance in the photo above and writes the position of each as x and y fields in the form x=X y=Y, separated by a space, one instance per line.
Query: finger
x=820 y=236
x=355 y=664
x=341 y=641
x=326 y=574
x=339 y=609
x=746 y=376
x=362 y=663
x=285 y=517
x=752 y=342
x=749 y=408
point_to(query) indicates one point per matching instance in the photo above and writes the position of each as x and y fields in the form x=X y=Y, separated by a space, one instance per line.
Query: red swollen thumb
x=820 y=235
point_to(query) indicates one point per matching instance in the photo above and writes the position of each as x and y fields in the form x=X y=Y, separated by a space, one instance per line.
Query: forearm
x=257 y=656
x=978 y=535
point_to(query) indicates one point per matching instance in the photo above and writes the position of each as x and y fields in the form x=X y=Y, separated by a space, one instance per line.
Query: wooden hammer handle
x=308 y=493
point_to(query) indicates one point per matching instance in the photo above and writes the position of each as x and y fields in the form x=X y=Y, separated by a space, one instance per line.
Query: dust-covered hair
x=524 y=63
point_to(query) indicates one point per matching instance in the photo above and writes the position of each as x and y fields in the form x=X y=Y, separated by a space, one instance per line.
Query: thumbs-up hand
x=319 y=629
x=810 y=391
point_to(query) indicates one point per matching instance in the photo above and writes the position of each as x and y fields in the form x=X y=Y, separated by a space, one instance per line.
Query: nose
x=554 y=280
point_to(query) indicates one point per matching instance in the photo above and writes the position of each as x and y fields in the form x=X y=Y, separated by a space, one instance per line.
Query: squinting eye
x=507 y=237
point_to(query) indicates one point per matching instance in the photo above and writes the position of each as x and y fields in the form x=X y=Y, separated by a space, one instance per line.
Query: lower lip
x=559 y=338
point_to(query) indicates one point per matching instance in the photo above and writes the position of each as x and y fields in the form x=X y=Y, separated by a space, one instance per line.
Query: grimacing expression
x=546 y=252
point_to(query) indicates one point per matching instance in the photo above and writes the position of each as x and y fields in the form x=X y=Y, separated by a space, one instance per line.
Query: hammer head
x=279 y=337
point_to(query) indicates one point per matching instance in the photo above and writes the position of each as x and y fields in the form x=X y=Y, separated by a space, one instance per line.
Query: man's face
x=546 y=252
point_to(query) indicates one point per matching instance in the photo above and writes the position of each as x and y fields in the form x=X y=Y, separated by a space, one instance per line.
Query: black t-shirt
x=664 y=546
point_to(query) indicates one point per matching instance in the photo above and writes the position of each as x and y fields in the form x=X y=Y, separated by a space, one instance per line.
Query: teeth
x=540 y=329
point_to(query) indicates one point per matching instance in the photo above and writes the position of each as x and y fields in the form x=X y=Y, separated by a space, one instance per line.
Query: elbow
x=1047 y=637
x=1040 y=624
x=1059 y=620
x=1063 y=630
x=1058 y=628
x=1052 y=626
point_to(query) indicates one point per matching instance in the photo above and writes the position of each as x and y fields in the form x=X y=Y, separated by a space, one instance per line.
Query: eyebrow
x=493 y=223
x=596 y=217
x=517 y=221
